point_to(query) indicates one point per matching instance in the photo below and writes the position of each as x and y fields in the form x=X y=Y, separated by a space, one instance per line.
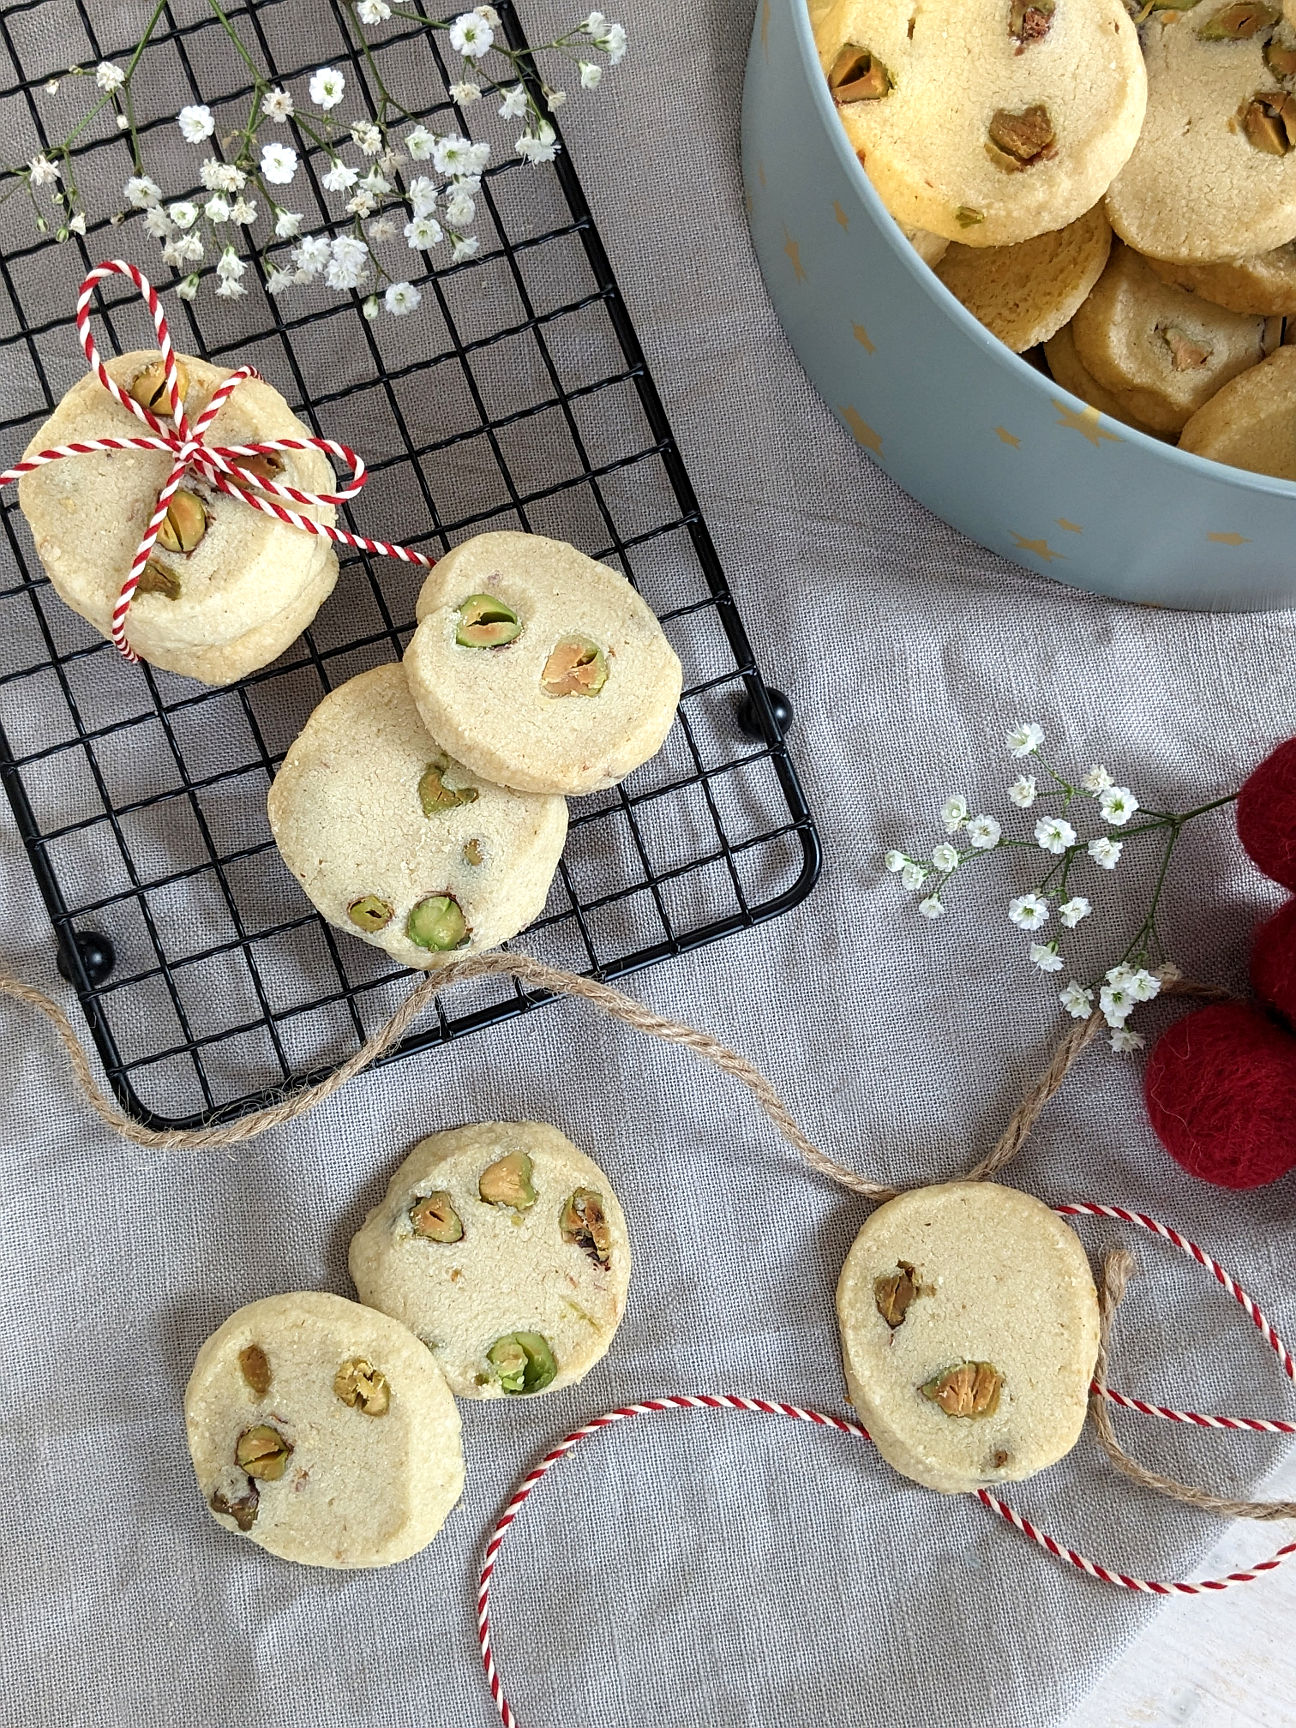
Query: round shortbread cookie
x=978 y=131
x=538 y=667
x=1197 y=188
x=246 y=579
x=1251 y=422
x=1160 y=350
x=969 y=1328
x=1265 y=284
x=1069 y=372
x=504 y=1248
x=396 y=842
x=1024 y=294
x=324 y=1432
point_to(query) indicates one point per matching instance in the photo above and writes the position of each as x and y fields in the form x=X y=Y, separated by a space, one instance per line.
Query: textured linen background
x=715 y=1570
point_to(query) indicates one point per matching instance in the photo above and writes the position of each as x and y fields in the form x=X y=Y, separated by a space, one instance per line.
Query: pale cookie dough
x=969 y=1328
x=1160 y=350
x=396 y=842
x=538 y=667
x=1068 y=371
x=236 y=586
x=977 y=132
x=1264 y=284
x=1197 y=188
x=1024 y=294
x=931 y=248
x=324 y=1432
x=503 y=1247
x=1251 y=423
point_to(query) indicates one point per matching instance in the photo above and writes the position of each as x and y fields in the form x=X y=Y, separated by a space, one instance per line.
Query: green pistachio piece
x=242 y=1508
x=584 y=1224
x=184 y=524
x=1280 y=58
x=967 y=1389
x=1020 y=140
x=363 y=1387
x=150 y=388
x=576 y=667
x=857 y=75
x=1269 y=121
x=967 y=217
x=255 y=1367
x=434 y=1218
x=156 y=578
x=894 y=1291
x=509 y=1182
x=486 y=622
x=1029 y=20
x=438 y=923
x=435 y=795
x=472 y=852
x=263 y=1452
x=522 y=1361
x=369 y=912
x=1238 y=22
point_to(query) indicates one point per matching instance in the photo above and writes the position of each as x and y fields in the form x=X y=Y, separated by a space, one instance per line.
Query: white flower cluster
x=1126 y=984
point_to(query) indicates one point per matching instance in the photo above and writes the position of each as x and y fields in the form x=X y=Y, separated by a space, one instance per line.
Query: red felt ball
x=1273 y=962
x=1266 y=815
x=1221 y=1093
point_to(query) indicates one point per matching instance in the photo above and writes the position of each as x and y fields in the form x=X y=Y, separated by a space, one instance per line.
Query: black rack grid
x=518 y=396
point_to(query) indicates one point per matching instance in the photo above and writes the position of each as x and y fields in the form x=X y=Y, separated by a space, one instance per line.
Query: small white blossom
x=464 y=248
x=471 y=35
x=371 y=308
x=1022 y=791
x=218 y=176
x=383 y=229
x=278 y=163
x=362 y=204
x=142 y=193
x=1143 y=985
x=278 y=280
x=78 y=223
x=456 y=156
x=946 y=857
x=1106 y=852
x=1046 y=957
x=423 y=194
x=514 y=104
x=229 y=289
x=593 y=24
x=400 y=298
x=184 y=214
x=326 y=87
x=43 y=172
x=590 y=75
x=51 y=87
x=123 y=124
x=1116 y=1002
x=372 y=11
x=1097 y=779
x=1077 y=1001
x=229 y=264
x=954 y=813
x=538 y=146
x=488 y=15
x=311 y=255
x=423 y=232
x=894 y=861
x=1074 y=910
x=1124 y=1042
x=195 y=123
x=1117 y=804
x=157 y=222
x=190 y=248
x=984 y=833
x=1167 y=973
x=244 y=211
x=1026 y=739
x=367 y=137
x=173 y=253
x=188 y=289
x=460 y=210
x=1054 y=834
x=217 y=209
x=339 y=177
x=912 y=876
x=463 y=94
x=277 y=105
x=109 y=77
x=376 y=181
x=468 y=184
x=555 y=98
x=1028 y=911
x=420 y=143
x=613 y=43
x=287 y=224
x=931 y=907
x=348 y=263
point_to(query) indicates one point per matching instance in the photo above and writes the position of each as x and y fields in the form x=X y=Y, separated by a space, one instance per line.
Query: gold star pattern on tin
x=1003 y=433
x=765 y=21
x=843 y=220
x=1071 y=527
x=794 y=253
x=1229 y=539
x=760 y=175
x=1088 y=423
x=1040 y=548
x=862 y=337
x=861 y=431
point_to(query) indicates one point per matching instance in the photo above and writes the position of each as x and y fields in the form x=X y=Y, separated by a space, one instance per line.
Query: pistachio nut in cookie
x=969 y=1329
x=539 y=668
x=324 y=1432
x=1213 y=175
x=1161 y=350
x=396 y=842
x=1251 y=422
x=503 y=1247
x=226 y=588
x=986 y=121
x=1024 y=294
x=1264 y=284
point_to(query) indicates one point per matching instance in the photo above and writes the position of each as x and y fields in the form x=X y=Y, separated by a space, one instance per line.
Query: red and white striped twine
x=821 y=1419
x=186 y=445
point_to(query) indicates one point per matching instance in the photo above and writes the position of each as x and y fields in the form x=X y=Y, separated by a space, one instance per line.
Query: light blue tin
x=972 y=431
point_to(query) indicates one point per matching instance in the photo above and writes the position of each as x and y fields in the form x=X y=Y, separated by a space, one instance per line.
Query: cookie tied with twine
x=185 y=443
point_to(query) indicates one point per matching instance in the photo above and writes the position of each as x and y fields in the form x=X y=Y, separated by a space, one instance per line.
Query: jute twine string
x=537 y=976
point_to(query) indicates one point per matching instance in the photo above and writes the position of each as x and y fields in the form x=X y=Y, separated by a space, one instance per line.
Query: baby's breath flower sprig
x=243 y=178
x=1139 y=972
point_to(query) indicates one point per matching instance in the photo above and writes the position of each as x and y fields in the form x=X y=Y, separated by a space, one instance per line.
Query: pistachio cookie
x=324 y=1432
x=969 y=1327
x=1068 y=371
x=986 y=121
x=1024 y=294
x=503 y=1247
x=396 y=842
x=1264 y=284
x=538 y=667
x=227 y=587
x=1213 y=175
x=1160 y=350
x=1251 y=423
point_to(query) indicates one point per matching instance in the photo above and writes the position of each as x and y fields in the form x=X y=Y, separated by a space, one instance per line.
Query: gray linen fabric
x=696 y=1569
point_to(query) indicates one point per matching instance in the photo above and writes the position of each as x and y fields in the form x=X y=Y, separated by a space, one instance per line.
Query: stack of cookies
x=1108 y=183
x=423 y=806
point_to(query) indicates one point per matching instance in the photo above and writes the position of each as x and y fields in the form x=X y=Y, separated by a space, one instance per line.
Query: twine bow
x=188 y=449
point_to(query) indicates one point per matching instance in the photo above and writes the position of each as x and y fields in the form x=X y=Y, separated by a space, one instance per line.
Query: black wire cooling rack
x=518 y=396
